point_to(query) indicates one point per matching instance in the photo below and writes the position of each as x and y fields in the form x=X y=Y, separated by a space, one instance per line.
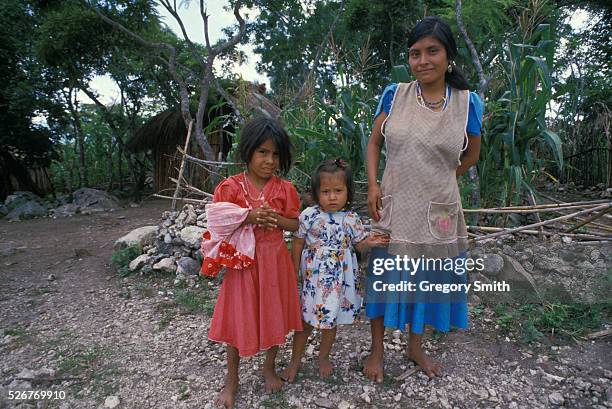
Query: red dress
x=258 y=306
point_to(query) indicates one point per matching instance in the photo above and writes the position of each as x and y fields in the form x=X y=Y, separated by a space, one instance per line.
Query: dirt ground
x=72 y=326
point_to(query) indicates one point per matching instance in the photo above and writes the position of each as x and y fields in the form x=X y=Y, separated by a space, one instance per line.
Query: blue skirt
x=403 y=295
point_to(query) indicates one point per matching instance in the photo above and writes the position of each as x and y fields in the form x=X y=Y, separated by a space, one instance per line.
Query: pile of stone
x=23 y=205
x=557 y=268
x=171 y=247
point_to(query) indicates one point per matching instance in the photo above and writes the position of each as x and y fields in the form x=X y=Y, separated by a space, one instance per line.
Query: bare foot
x=227 y=396
x=373 y=367
x=274 y=383
x=291 y=371
x=325 y=367
x=428 y=365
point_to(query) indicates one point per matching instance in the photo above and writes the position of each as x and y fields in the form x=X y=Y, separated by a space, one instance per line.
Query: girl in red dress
x=258 y=305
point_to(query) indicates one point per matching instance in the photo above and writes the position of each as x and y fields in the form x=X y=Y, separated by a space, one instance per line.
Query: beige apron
x=422 y=209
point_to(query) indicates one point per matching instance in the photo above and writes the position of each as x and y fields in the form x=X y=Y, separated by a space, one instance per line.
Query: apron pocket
x=442 y=218
x=384 y=224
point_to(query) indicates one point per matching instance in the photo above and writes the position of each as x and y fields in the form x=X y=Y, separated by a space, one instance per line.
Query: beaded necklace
x=434 y=106
x=248 y=190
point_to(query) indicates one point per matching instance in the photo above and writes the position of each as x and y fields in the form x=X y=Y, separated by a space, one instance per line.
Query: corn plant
x=321 y=130
x=516 y=137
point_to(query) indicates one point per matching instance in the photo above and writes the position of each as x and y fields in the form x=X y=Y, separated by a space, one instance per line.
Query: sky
x=190 y=15
x=219 y=19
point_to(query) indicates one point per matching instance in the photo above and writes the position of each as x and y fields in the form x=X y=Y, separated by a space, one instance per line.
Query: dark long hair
x=434 y=26
x=257 y=131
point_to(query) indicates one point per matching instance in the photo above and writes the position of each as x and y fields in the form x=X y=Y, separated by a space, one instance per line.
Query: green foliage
x=517 y=132
x=195 y=300
x=323 y=130
x=121 y=259
x=556 y=319
x=25 y=94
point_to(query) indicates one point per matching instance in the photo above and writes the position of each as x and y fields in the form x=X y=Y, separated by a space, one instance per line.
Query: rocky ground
x=70 y=325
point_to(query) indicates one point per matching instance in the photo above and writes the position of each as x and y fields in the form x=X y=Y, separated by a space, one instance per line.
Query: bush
x=121 y=259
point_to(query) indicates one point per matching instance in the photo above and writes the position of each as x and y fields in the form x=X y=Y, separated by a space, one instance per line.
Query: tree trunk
x=110 y=162
x=120 y=167
x=78 y=137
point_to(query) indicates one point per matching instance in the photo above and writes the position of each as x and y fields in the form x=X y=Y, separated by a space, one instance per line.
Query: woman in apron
x=430 y=129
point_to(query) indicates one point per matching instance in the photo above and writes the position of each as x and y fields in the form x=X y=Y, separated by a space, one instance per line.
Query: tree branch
x=483 y=80
x=235 y=39
x=205 y=21
x=129 y=33
x=192 y=47
x=308 y=77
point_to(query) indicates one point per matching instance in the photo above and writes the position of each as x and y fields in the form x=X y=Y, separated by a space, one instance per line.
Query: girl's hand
x=377 y=240
x=374 y=201
x=263 y=216
x=373 y=240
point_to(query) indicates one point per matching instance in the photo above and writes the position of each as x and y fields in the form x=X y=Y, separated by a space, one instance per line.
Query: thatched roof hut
x=165 y=131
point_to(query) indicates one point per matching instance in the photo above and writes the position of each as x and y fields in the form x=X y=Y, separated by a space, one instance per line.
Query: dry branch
x=545 y=223
x=526 y=209
x=184 y=199
x=545 y=233
x=588 y=220
x=180 y=173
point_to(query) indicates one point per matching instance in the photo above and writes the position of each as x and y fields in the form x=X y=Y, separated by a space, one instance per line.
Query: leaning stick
x=588 y=220
x=208 y=162
x=184 y=199
x=178 y=183
x=592 y=225
x=544 y=223
x=600 y=334
x=563 y=204
x=584 y=236
x=193 y=188
x=527 y=209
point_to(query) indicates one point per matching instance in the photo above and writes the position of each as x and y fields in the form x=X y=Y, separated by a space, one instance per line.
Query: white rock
x=366 y=397
x=344 y=405
x=26 y=373
x=369 y=389
x=166 y=264
x=18 y=385
x=324 y=403
x=137 y=237
x=493 y=264
x=556 y=398
x=139 y=261
x=192 y=235
x=111 y=402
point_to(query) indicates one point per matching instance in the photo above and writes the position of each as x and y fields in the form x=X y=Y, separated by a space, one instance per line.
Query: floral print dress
x=331 y=292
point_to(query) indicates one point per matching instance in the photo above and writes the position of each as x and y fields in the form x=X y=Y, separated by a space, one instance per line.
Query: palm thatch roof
x=168 y=127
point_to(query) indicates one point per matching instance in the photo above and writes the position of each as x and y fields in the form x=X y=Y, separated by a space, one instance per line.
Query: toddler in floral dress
x=323 y=254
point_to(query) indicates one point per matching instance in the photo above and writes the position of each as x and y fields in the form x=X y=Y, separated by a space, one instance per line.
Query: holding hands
x=373 y=240
x=264 y=216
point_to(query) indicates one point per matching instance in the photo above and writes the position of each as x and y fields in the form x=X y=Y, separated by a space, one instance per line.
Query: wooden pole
x=183 y=199
x=585 y=236
x=178 y=181
x=587 y=220
x=544 y=223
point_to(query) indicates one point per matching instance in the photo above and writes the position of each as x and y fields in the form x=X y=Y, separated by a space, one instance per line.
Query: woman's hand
x=374 y=201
